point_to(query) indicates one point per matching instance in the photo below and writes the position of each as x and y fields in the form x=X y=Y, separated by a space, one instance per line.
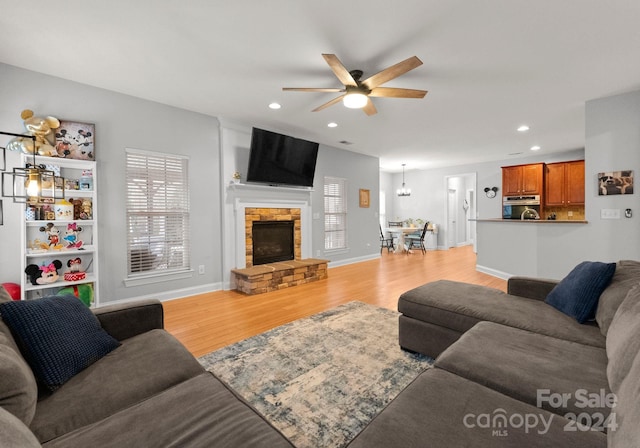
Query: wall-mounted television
x=278 y=159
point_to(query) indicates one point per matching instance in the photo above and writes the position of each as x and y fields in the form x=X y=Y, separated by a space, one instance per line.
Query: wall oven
x=521 y=207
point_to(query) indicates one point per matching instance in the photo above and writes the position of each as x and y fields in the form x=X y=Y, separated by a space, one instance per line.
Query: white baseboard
x=493 y=272
x=335 y=264
x=171 y=295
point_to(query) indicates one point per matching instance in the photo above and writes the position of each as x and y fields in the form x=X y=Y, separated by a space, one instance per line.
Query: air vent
x=515 y=153
x=344 y=142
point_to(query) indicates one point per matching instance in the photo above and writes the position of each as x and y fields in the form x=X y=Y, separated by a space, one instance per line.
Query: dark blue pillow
x=578 y=293
x=57 y=335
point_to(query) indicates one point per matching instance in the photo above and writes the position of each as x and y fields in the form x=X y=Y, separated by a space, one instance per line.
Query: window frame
x=167 y=209
x=337 y=209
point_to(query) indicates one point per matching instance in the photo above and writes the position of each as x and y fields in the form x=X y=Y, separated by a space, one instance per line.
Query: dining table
x=400 y=233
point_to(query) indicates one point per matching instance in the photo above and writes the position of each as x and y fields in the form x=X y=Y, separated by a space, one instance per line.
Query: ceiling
x=489 y=65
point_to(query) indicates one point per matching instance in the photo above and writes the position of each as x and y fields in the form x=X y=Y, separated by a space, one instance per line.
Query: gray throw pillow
x=626 y=276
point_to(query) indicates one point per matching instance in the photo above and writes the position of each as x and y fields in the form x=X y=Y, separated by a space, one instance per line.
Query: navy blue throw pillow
x=578 y=293
x=57 y=335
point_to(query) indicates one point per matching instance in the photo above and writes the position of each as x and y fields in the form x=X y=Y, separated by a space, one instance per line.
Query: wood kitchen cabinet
x=564 y=183
x=522 y=179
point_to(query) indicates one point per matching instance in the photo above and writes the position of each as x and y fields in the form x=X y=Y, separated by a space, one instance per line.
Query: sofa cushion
x=459 y=306
x=57 y=335
x=530 y=367
x=18 y=389
x=200 y=412
x=626 y=277
x=441 y=409
x=14 y=433
x=627 y=411
x=623 y=338
x=143 y=366
x=578 y=293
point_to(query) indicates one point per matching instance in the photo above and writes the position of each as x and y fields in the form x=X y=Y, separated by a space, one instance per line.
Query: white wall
x=121 y=121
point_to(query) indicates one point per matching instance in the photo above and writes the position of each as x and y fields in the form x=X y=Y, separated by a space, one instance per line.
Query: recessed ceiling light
x=274 y=106
x=332 y=125
x=523 y=128
x=535 y=148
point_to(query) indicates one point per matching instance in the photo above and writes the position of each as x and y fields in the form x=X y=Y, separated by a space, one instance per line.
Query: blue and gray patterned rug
x=320 y=380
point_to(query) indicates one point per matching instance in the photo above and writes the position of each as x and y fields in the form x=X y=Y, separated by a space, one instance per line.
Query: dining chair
x=416 y=240
x=386 y=242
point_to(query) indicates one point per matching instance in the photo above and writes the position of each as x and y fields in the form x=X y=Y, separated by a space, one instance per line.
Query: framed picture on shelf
x=76 y=140
x=364 y=198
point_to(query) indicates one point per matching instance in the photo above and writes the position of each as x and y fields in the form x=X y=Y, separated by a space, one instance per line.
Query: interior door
x=452 y=225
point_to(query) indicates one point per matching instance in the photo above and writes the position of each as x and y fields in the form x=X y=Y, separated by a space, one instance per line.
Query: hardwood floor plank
x=207 y=322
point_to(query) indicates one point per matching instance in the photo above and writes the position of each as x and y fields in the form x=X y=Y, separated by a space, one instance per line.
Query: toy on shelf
x=53 y=235
x=40 y=127
x=83 y=292
x=42 y=275
x=71 y=236
x=75 y=271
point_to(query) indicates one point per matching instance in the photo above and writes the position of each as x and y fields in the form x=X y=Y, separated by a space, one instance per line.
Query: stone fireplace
x=278 y=236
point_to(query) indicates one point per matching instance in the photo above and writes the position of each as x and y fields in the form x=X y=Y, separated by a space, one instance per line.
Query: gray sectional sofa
x=511 y=371
x=149 y=392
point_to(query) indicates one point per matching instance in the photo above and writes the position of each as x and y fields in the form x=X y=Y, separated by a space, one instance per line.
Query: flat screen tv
x=278 y=159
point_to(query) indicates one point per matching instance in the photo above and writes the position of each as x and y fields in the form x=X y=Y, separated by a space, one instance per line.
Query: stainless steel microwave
x=521 y=207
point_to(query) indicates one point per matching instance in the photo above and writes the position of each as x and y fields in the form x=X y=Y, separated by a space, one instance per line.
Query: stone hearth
x=275 y=276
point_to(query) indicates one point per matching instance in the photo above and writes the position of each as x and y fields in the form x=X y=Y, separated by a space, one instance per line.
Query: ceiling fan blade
x=312 y=89
x=392 y=92
x=328 y=103
x=339 y=70
x=369 y=108
x=392 y=72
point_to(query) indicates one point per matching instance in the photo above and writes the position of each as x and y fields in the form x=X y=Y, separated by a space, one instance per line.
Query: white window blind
x=335 y=213
x=158 y=239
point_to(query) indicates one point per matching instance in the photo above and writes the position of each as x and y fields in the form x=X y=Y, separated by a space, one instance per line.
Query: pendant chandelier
x=403 y=191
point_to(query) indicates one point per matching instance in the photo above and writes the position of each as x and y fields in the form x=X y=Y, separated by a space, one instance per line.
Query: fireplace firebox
x=272 y=241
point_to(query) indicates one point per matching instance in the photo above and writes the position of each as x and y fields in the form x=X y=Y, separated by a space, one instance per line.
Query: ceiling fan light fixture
x=355 y=100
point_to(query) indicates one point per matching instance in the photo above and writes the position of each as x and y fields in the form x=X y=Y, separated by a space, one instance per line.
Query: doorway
x=460 y=210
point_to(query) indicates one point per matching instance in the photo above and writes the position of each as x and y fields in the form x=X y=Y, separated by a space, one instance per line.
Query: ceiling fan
x=356 y=93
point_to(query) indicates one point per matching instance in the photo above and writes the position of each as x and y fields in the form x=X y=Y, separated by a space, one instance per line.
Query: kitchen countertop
x=534 y=221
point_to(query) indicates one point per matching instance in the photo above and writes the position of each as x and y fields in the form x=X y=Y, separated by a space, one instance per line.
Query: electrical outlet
x=201 y=269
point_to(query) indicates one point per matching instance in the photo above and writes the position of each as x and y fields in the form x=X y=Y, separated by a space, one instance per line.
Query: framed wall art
x=615 y=182
x=364 y=198
x=76 y=140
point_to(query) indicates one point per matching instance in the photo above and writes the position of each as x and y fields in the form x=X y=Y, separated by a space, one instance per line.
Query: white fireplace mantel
x=242 y=196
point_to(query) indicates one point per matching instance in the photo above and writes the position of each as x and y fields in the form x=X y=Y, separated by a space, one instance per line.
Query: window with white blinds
x=158 y=240
x=335 y=213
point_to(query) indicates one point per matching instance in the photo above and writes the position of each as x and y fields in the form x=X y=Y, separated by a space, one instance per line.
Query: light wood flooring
x=206 y=322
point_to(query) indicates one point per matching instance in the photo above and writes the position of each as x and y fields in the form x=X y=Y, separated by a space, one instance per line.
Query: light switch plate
x=610 y=213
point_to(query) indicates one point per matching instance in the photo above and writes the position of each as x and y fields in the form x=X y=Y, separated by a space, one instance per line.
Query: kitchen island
x=534 y=248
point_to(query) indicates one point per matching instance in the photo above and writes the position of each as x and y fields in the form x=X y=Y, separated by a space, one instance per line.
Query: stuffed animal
x=87 y=207
x=83 y=292
x=71 y=237
x=40 y=127
x=75 y=271
x=42 y=275
x=53 y=234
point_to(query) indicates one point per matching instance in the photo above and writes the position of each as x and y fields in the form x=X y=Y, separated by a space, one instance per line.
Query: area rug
x=320 y=380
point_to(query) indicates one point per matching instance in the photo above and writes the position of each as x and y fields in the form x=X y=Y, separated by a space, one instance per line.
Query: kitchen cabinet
x=564 y=183
x=522 y=179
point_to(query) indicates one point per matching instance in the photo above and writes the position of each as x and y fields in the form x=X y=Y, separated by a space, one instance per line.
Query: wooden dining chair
x=417 y=240
x=386 y=242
